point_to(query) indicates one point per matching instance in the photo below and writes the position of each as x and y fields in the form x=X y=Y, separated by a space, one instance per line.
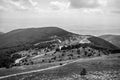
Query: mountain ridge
x=114 y=39
x=35 y=35
x=30 y=35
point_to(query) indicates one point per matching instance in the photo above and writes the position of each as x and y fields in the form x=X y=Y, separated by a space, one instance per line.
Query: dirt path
x=79 y=60
x=30 y=71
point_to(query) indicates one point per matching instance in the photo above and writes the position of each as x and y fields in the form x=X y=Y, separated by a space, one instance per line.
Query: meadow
x=102 y=68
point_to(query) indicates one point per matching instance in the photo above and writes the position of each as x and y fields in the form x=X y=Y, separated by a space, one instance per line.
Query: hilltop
x=114 y=39
x=35 y=35
x=30 y=35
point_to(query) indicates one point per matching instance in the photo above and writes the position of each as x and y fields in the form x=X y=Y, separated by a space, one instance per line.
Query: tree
x=62 y=54
x=6 y=62
x=83 y=72
x=78 y=51
x=15 y=56
x=57 y=49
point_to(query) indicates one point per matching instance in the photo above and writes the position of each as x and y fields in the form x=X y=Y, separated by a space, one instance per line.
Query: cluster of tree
x=77 y=51
x=26 y=61
x=115 y=51
x=7 y=61
x=49 y=45
x=7 y=52
x=13 y=49
x=82 y=50
x=69 y=47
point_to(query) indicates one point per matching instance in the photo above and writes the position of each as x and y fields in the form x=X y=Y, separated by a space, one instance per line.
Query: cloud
x=114 y=3
x=114 y=6
x=57 y=5
x=107 y=5
x=23 y=4
x=84 y=3
x=116 y=11
x=2 y=8
x=2 y=5
x=18 y=4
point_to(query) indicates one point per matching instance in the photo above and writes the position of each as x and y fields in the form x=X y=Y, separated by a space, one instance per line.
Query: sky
x=94 y=17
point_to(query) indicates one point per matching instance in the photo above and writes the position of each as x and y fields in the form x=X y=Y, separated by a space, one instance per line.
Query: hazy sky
x=82 y=16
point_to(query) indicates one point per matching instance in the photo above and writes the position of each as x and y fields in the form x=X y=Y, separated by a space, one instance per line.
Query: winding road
x=2 y=77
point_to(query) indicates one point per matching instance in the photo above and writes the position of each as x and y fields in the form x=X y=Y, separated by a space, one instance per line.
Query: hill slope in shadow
x=30 y=35
x=114 y=39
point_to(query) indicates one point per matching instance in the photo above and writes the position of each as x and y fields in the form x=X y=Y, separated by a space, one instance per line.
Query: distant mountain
x=102 y=43
x=1 y=33
x=30 y=35
x=114 y=39
x=36 y=35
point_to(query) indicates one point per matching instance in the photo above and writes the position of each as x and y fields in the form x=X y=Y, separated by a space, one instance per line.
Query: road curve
x=2 y=77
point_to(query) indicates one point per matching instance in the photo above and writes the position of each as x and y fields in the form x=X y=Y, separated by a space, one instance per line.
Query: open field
x=104 y=68
x=20 y=69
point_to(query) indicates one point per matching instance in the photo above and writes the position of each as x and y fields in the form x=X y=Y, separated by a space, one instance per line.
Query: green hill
x=114 y=39
x=30 y=35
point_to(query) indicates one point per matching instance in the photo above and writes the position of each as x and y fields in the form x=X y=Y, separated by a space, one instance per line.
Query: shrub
x=83 y=72
x=61 y=63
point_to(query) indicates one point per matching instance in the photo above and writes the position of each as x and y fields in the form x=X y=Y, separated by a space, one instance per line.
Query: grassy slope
x=20 y=69
x=114 y=39
x=30 y=35
x=102 y=43
x=14 y=70
x=107 y=65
